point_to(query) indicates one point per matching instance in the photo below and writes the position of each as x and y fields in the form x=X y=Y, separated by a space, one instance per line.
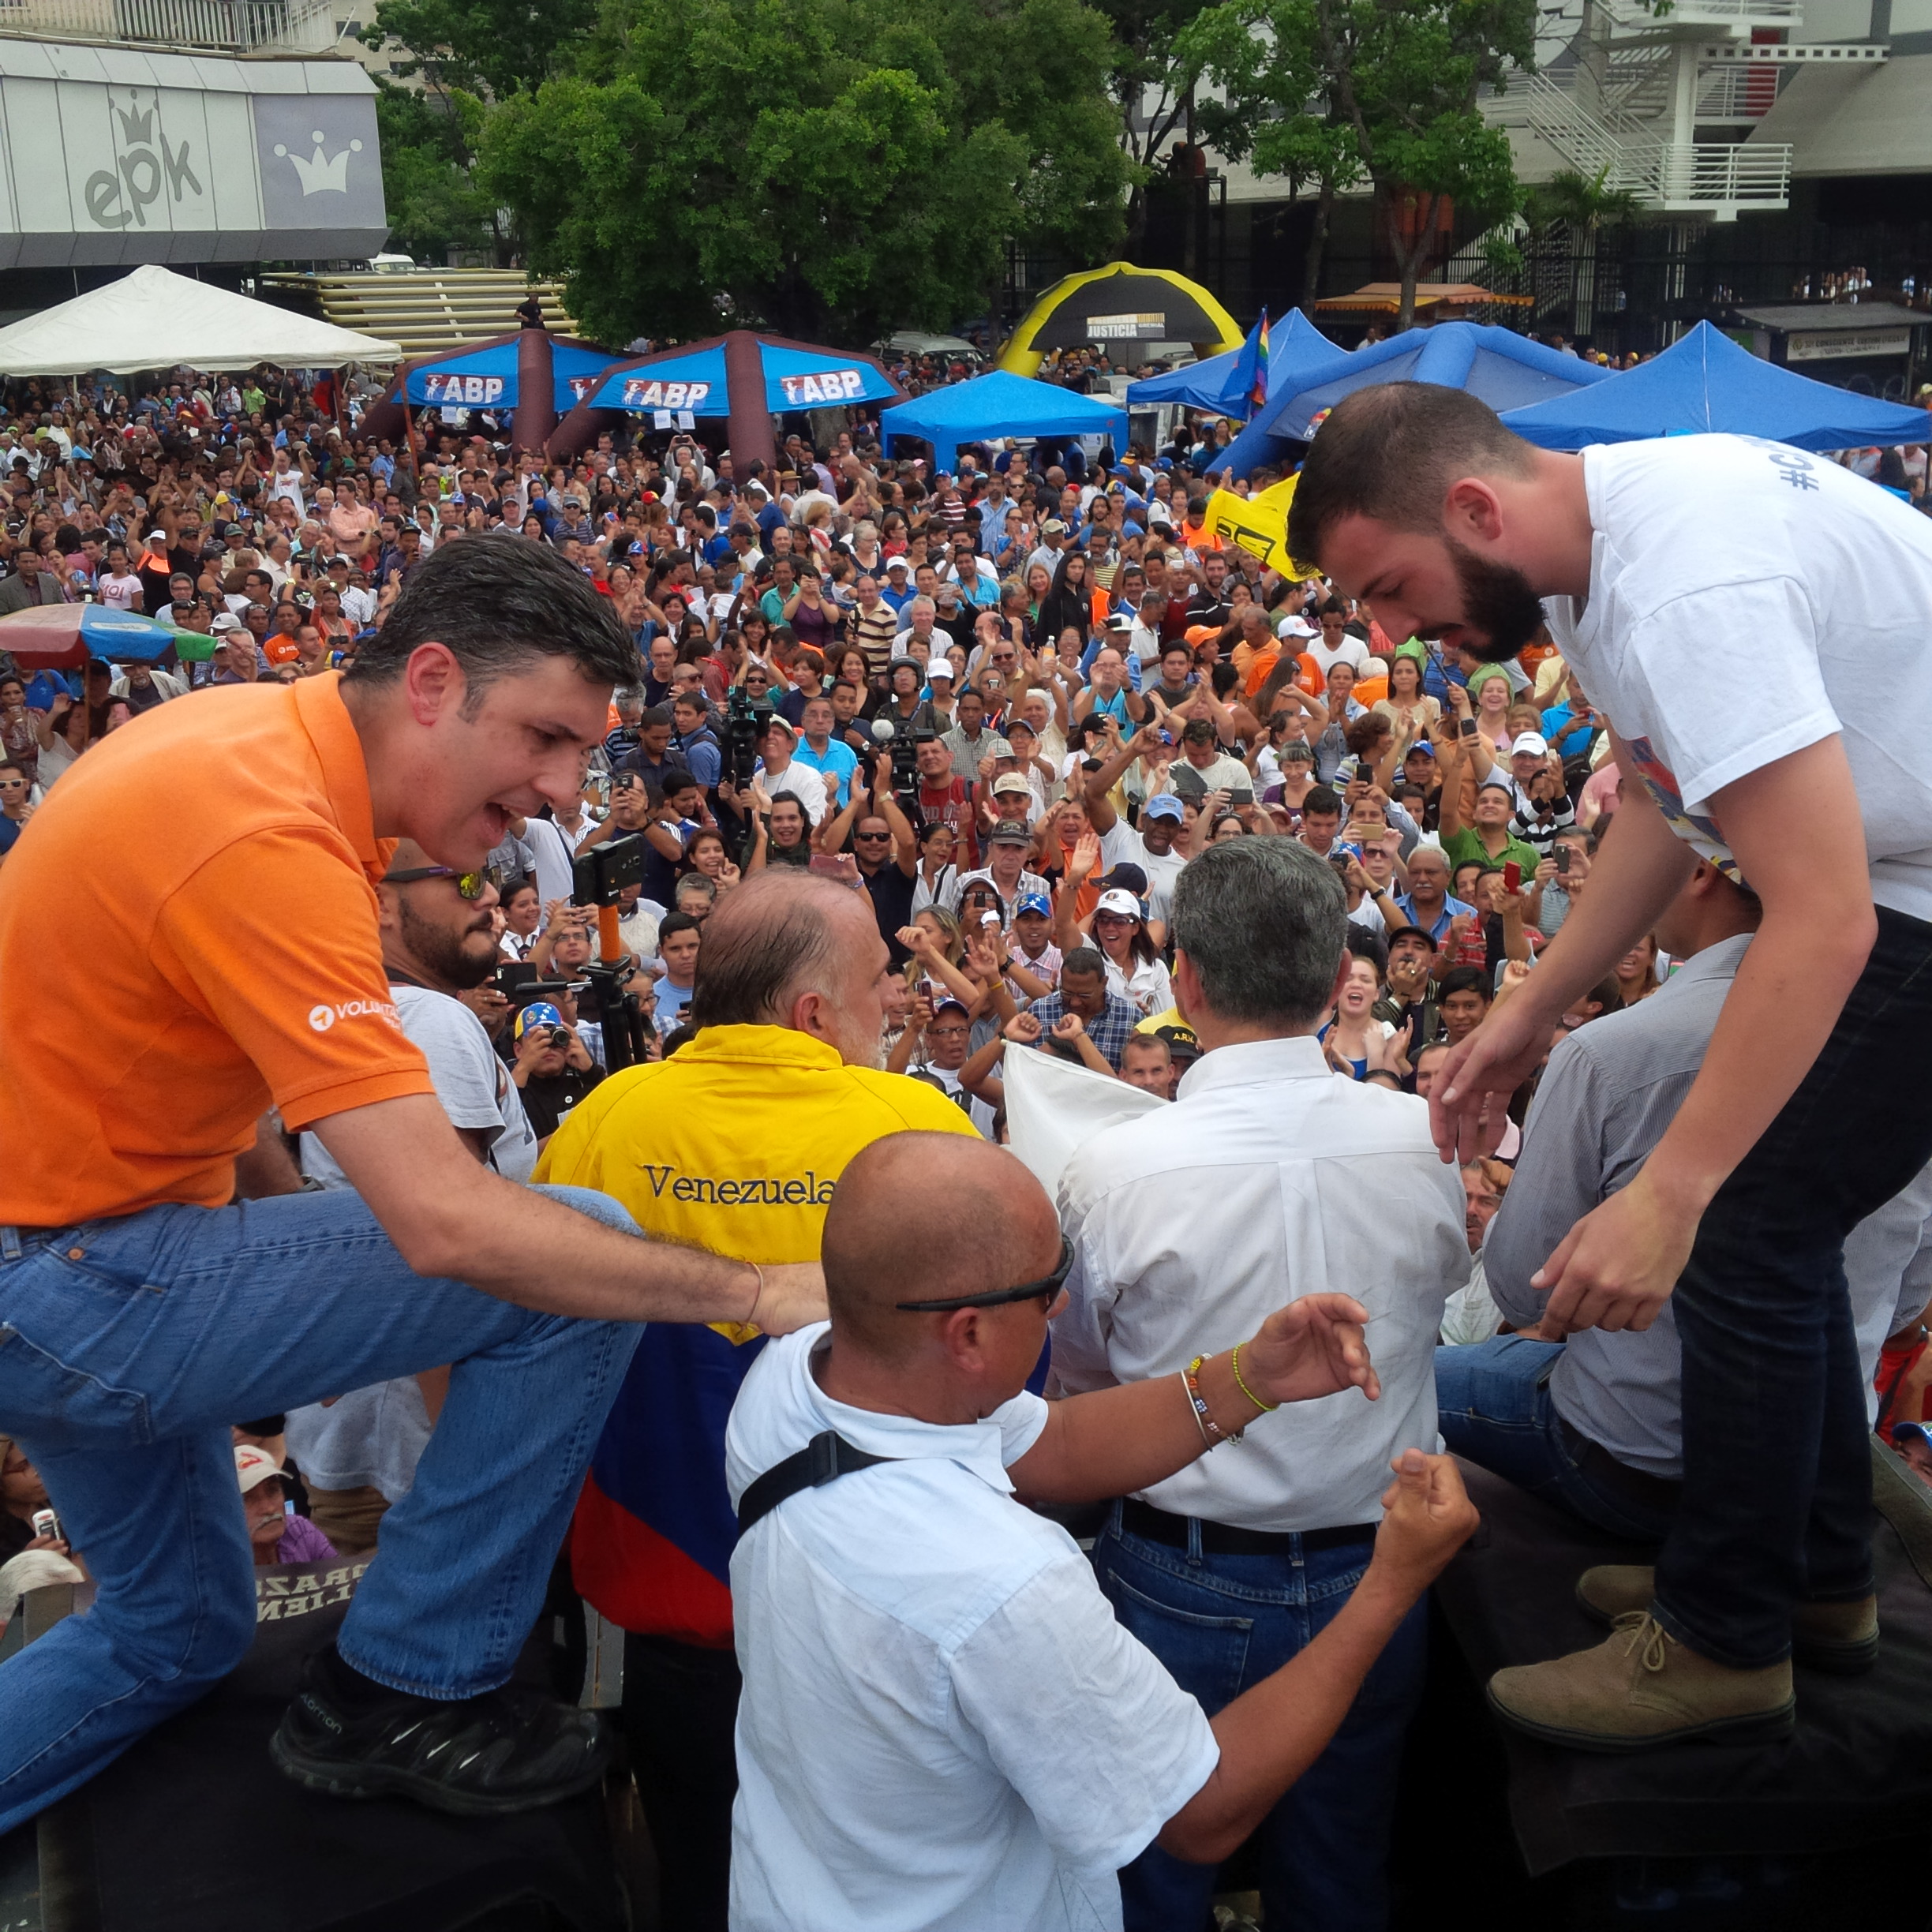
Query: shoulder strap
x=825 y=1458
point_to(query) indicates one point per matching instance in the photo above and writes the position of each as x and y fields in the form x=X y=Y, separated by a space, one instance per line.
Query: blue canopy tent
x=1000 y=404
x=746 y=377
x=1507 y=371
x=488 y=378
x=1296 y=347
x=1706 y=382
x=528 y=373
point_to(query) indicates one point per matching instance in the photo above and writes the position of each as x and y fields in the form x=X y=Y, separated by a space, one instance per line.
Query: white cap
x=1296 y=627
x=1119 y=900
x=1530 y=744
x=254 y=1466
x=939 y=667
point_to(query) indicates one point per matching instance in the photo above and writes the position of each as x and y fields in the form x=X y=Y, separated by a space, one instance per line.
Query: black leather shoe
x=512 y=1750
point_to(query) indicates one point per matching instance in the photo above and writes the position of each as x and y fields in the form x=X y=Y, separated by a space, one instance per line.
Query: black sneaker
x=512 y=1750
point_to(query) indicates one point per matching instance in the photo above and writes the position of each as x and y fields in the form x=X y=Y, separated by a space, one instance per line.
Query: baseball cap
x=1012 y=785
x=1128 y=878
x=1296 y=627
x=946 y=1000
x=1053 y=527
x=1421 y=745
x=1921 y=1430
x=1530 y=744
x=1183 y=1042
x=226 y=621
x=777 y=721
x=939 y=667
x=1161 y=805
x=1124 y=903
x=1033 y=902
x=1009 y=835
x=1122 y=620
x=538 y=1013
x=254 y=1466
x=897 y=562
x=1413 y=932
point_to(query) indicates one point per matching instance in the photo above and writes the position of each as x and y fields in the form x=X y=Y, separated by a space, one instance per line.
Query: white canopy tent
x=154 y=318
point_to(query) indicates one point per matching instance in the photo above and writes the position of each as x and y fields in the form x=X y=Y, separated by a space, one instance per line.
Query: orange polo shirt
x=187 y=929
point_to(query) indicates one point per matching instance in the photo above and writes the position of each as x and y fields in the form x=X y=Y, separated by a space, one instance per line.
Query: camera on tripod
x=600 y=877
x=903 y=746
x=745 y=720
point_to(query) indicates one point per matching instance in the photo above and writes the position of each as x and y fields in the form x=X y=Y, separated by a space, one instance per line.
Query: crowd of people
x=926 y=769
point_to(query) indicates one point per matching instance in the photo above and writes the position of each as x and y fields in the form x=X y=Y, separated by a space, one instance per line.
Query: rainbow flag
x=1257 y=386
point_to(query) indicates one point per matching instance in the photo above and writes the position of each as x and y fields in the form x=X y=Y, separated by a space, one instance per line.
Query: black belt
x=1160 y=1526
x=827 y=1456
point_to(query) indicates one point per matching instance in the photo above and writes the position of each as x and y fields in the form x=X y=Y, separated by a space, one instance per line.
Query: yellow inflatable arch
x=1119 y=303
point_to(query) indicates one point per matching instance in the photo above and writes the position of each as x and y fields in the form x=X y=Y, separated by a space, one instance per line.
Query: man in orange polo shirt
x=231 y=963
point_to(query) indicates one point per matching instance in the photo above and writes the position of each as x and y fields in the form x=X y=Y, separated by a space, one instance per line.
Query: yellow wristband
x=1235 y=1363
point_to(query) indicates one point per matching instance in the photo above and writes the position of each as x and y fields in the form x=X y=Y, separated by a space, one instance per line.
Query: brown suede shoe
x=1840 y=1637
x=1640 y=1689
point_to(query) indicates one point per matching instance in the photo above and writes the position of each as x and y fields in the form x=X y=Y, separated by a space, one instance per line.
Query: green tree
x=1272 y=111
x=825 y=166
x=462 y=55
x=1153 y=89
x=433 y=204
x=1394 y=85
x=490 y=48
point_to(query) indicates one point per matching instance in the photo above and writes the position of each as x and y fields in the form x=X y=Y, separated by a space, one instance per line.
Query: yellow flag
x=1259 y=524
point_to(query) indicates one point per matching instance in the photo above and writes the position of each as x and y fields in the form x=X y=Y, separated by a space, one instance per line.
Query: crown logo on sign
x=137 y=127
x=321 y=172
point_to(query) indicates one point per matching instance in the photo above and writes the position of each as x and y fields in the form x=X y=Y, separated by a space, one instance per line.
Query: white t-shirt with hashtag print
x=1747 y=600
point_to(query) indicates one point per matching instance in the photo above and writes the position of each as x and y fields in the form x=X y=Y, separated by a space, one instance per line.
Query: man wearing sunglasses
x=439 y=939
x=146 y=1306
x=942 y=1721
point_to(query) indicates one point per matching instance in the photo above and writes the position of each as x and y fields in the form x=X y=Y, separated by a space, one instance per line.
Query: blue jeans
x=1492 y=1405
x=1776 y=1500
x=127 y=1348
x=1221 y=1624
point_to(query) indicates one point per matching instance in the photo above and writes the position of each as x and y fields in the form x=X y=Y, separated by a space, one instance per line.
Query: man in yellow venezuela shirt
x=734 y=1144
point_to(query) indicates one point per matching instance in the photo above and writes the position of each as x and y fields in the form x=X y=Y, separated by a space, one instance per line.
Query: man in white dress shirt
x=941 y=1724
x=1268 y=1179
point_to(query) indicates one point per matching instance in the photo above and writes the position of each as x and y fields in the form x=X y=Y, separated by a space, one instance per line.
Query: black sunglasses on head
x=1047 y=1291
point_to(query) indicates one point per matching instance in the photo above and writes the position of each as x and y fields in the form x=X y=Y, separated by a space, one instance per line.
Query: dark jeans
x=680 y=1708
x=1776 y=1495
x=1493 y=1406
x=1222 y=1623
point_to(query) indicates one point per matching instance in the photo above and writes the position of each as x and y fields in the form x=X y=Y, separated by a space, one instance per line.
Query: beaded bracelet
x=1235 y=1363
x=1211 y=1431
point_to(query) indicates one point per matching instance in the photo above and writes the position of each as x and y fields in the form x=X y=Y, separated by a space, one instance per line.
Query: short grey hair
x=1263 y=920
x=765 y=941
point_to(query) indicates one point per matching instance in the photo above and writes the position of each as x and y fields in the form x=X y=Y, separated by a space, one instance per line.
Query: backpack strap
x=825 y=1458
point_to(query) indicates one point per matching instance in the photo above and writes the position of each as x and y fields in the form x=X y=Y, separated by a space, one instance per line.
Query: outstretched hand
x=1312 y=1347
x=1469 y=1101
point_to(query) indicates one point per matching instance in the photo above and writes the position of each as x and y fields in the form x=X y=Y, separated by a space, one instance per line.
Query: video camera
x=903 y=745
x=598 y=877
x=745 y=719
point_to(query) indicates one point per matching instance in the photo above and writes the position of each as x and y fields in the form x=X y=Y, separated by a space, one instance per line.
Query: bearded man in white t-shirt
x=1669 y=570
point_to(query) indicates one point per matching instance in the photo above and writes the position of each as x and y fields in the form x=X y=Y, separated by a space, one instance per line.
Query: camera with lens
x=745 y=719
